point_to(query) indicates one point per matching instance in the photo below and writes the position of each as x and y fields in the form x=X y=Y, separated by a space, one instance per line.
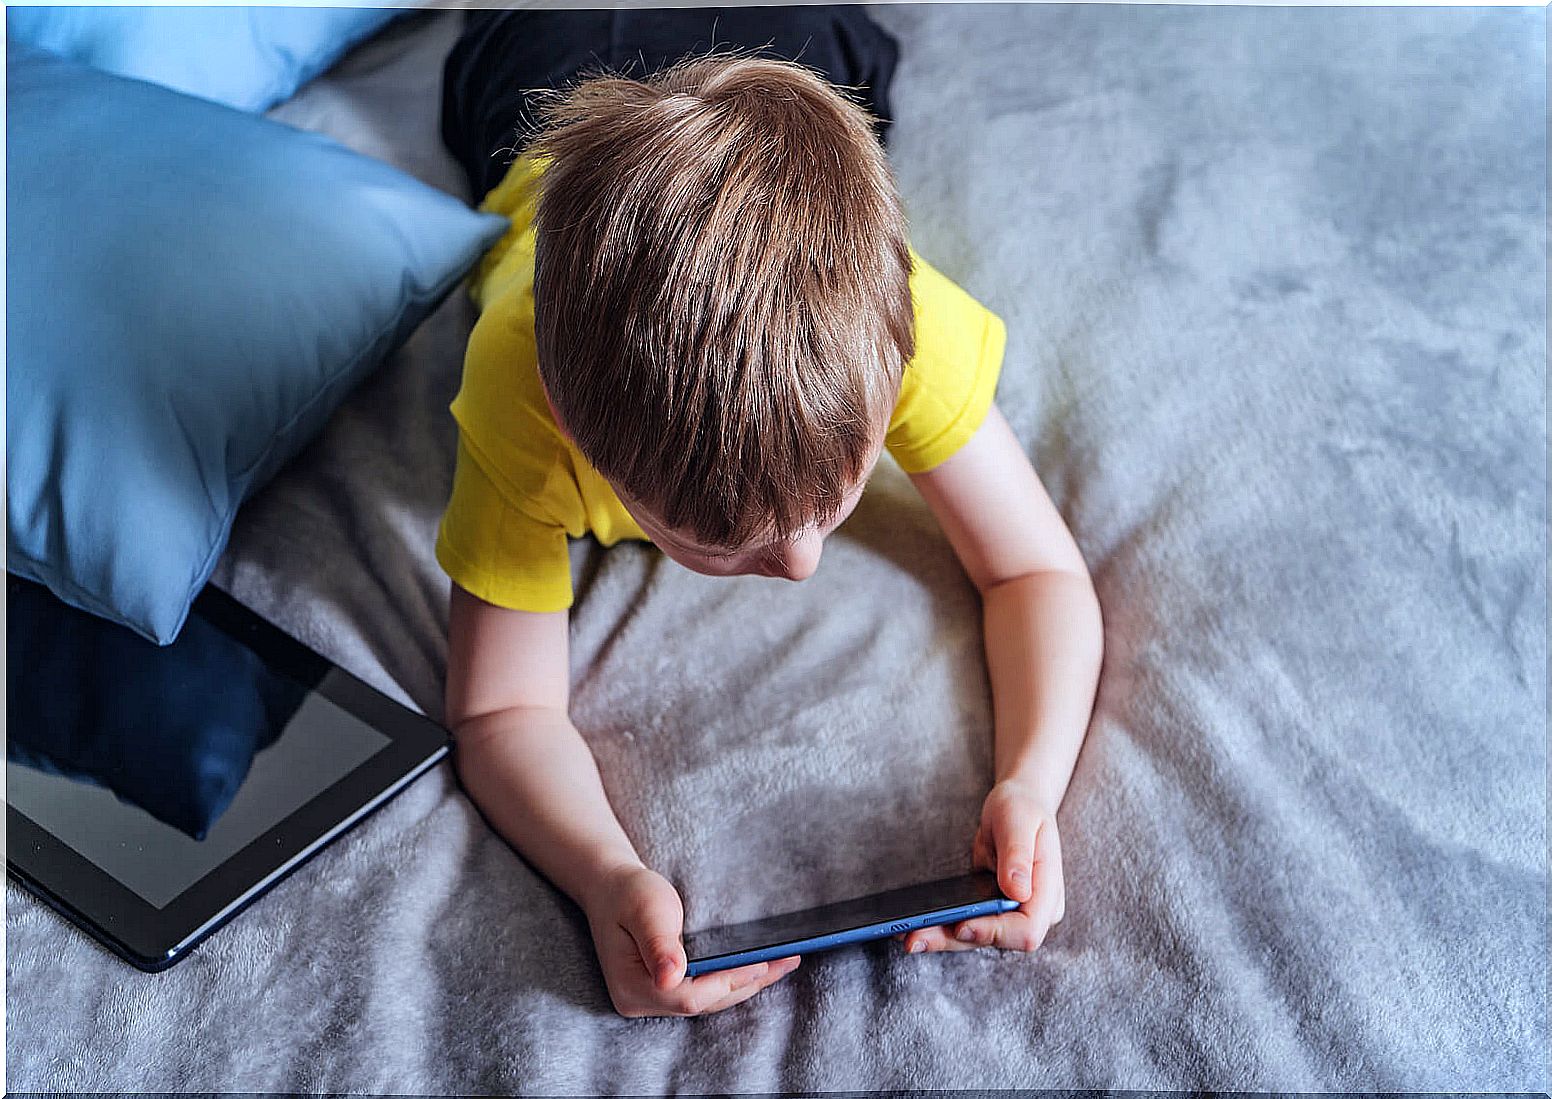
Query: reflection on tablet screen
x=158 y=763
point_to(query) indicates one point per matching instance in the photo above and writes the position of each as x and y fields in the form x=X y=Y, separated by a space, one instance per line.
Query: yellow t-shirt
x=521 y=488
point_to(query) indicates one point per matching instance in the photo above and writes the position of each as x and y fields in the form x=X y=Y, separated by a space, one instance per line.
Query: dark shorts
x=486 y=112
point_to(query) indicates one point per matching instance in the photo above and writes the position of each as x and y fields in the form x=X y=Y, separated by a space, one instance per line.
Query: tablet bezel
x=153 y=938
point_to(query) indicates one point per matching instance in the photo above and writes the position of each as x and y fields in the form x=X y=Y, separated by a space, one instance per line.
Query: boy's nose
x=800 y=558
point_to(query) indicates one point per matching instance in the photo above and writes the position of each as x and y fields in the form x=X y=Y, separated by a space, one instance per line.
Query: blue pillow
x=192 y=291
x=248 y=58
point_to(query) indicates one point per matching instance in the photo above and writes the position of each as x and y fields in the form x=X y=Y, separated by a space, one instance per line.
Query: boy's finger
x=776 y=972
x=696 y=994
x=1048 y=871
x=1014 y=930
x=1049 y=893
x=930 y=939
x=978 y=932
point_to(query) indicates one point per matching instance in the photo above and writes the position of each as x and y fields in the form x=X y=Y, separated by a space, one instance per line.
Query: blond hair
x=722 y=308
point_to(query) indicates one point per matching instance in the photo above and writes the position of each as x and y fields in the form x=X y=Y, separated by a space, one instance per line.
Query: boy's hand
x=637 y=921
x=1019 y=842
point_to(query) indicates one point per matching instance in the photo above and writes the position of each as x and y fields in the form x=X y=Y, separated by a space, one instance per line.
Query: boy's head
x=721 y=302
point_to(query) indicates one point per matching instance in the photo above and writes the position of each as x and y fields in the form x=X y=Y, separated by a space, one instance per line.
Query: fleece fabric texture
x=1274 y=283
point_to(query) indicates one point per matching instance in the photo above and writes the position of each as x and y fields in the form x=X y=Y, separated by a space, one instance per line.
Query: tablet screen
x=158 y=763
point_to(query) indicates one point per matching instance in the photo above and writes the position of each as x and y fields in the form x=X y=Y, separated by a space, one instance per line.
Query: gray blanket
x=1274 y=281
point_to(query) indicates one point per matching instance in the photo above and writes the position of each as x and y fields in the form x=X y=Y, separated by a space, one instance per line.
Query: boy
x=704 y=327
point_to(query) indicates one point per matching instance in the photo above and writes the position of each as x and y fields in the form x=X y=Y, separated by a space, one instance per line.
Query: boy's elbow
x=1072 y=589
x=1073 y=579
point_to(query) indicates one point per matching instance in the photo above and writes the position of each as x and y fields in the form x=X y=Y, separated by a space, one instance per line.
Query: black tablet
x=153 y=792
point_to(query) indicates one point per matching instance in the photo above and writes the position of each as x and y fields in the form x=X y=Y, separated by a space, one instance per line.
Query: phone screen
x=894 y=906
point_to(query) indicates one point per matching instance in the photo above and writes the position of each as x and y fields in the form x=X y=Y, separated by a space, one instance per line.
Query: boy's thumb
x=656 y=931
x=665 y=959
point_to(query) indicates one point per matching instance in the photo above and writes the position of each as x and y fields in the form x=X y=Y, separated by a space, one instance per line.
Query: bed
x=1274 y=281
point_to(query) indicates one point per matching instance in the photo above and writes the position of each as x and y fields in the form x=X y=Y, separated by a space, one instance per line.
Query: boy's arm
x=515 y=748
x=1044 y=642
x=534 y=778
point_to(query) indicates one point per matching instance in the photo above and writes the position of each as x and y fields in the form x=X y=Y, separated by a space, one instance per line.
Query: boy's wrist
x=601 y=883
x=1030 y=784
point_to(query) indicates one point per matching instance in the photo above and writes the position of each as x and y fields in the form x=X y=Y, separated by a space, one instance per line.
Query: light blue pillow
x=248 y=58
x=192 y=291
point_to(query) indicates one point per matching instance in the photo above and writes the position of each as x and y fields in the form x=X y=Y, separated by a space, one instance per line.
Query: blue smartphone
x=855 y=921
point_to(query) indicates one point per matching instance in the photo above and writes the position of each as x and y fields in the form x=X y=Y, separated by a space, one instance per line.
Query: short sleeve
x=495 y=550
x=949 y=383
